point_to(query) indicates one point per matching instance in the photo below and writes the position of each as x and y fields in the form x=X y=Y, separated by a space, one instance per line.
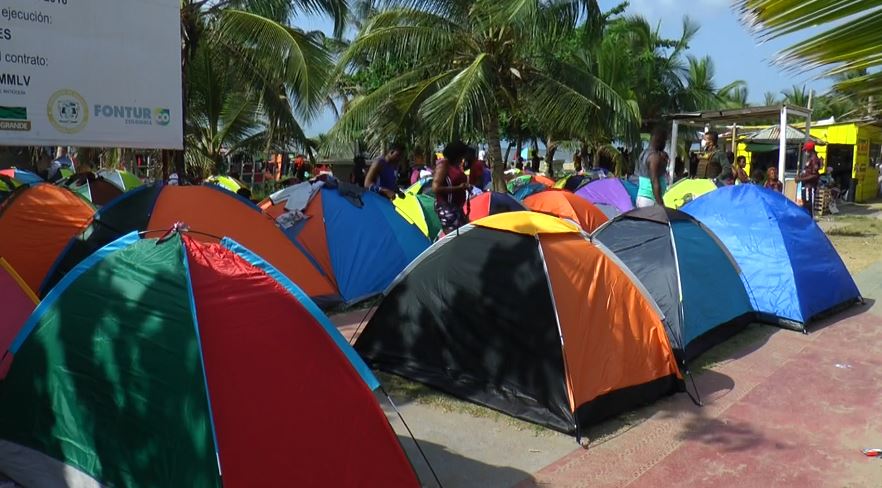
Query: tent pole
x=675 y=133
x=782 y=146
x=808 y=129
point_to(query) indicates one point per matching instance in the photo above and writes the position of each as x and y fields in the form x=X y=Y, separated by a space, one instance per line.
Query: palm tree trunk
x=550 y=149
x=494 y=148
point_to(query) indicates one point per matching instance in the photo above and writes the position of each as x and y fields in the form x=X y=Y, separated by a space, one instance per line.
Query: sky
x=737 y=53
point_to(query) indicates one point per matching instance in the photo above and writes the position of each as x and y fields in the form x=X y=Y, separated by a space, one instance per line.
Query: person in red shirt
x=451 y=187
x=809 y=177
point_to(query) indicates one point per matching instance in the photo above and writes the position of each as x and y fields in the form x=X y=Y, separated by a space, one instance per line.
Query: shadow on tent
x=455 y=470
x=114 y=433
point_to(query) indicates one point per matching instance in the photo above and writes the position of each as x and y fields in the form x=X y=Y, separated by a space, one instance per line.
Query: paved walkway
x=787 y=410
x=790 y=410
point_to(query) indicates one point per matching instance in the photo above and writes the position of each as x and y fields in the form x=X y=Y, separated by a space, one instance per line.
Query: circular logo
x=68 y=111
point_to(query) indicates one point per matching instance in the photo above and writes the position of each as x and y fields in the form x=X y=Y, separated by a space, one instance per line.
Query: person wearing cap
x=809 y=177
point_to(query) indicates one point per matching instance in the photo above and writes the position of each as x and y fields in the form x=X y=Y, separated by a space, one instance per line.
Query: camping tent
x=522 y=313
x=791 y=270
x=518 y=182
x=94 y=189
x=228 y=183
x=568 y=206
x=688 y=272
x=686 y=190
x=423 y=186
x=491 y=203
x=608 y=191
x=419 y=209
x=21 y=176
x=571 y=182
x=357 y=238
x=215 y=212
x=17 y=304
x=123 y=180
x=168 y=362
x=35 y=224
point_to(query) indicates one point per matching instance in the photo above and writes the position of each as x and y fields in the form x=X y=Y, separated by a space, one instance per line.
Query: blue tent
x=686 y=270
x=631 y=188
x=359 y=239
x=791 y=270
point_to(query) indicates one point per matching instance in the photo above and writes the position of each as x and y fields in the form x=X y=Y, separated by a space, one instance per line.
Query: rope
x=696 y=401
x=360 y=325
x=410 y=433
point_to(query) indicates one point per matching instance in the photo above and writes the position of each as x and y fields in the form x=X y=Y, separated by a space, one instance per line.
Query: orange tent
x=522 y=312
x=211 y=213
x=544 y=180
x=36 y=223
x=568 y=206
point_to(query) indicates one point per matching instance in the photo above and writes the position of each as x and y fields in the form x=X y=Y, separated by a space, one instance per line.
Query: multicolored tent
x=21 y=176
x=93 y=188
x=792 y=272
x=422 y=187
x=519 y=182
x=686 y=190
x=357 y=238
x=419 y=209
x=521 y=312
x=175 y=362
x=566 y=205
x=571 y=182
x=123 y=180
x=18 y=302
x=215 y=212
x=688 y=272
x=227 y=183
x=608 y=191
x=36 y=223
x=491 y=203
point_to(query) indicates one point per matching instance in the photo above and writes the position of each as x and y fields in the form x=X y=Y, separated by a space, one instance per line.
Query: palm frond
x=464 y=102
x=294 y=58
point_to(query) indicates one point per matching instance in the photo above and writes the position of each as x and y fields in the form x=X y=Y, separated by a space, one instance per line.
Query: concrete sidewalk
x=786 y=410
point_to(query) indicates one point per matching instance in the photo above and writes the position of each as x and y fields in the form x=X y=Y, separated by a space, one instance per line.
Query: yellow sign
x=863 y=147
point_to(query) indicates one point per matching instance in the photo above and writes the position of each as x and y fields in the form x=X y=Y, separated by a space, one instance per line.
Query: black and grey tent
x=688 y=272
x=521 y=312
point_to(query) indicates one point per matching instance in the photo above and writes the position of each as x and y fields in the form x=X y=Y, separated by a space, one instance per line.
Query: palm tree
x=838 y=50
x=228 y=115
x=796 y=95
x=470 y=62
x=770 y=98
x=286 y=68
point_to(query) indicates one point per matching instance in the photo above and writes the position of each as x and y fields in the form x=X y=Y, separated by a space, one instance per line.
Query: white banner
x=92 y=73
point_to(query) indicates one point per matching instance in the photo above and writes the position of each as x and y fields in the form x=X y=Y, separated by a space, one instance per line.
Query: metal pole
x=675 y=133
x=782 y=146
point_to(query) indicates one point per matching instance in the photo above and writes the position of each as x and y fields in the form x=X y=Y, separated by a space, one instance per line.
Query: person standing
x=809 y=177
x=451 y=187
x=740 y=170
x=772 y=182
x=382 y=177
x=62 y=159
x=651 y=169
x=718 y=164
